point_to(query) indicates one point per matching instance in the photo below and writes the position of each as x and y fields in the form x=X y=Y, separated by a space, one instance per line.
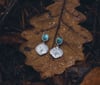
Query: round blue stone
x=45 y=37
x=59 y=41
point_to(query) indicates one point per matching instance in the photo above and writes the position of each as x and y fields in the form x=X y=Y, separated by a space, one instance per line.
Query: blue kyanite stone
x=59 y=41
x=45 y=37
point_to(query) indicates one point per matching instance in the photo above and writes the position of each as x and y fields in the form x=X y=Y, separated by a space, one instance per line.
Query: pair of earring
x=43 y=49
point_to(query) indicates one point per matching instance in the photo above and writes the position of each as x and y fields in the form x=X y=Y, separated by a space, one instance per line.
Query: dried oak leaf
x=62 y=20
x=92 y=78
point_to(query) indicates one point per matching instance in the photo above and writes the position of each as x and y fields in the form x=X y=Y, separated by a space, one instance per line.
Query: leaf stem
x=59 y=22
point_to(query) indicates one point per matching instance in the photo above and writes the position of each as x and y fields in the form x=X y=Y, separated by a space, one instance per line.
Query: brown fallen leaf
x=63 y=20
x=92 y=78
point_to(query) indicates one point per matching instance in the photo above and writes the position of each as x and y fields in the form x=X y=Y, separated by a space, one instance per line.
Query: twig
x=11 y=5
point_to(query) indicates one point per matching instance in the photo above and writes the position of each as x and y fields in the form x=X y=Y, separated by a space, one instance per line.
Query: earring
x=57 y=52
x=42 y=48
